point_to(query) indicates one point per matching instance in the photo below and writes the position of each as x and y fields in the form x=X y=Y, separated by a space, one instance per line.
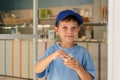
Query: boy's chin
x=69 y=41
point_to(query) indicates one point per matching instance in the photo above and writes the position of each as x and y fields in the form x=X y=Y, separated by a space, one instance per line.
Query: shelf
x=94 y=24
x=12 y=26
x=84 y=24
x=51 y=18
x=1 y=24
x=18 y=36
x=11 y=29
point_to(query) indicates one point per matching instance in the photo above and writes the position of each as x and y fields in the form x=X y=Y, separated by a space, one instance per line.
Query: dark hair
x=69 y=18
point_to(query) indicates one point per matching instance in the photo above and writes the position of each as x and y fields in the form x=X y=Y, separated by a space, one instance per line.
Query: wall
x=114 y=40
x=15 y=4
x=28 y=4
x=60 y=3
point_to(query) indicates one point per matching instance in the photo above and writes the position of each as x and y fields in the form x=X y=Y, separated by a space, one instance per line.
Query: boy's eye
x=74 y=27
x=64 y=28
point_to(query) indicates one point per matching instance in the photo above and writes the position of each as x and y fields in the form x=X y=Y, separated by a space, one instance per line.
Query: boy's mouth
x=69 y=36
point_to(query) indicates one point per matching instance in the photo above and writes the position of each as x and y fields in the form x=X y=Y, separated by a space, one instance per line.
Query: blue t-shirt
x=58 y=71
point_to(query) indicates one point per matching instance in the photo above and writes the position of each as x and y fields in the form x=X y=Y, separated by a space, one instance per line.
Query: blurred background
x=18 y=48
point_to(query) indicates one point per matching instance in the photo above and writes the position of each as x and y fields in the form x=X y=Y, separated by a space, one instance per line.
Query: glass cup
x=103 y=14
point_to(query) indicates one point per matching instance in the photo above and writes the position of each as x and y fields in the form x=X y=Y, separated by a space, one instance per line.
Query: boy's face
x=68 y=31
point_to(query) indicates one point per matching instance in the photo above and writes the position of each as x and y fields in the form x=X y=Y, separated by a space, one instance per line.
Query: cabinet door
x=93 y=49
x=98 y=52
x=2 y=68
x=9 y=57
x=41 y=48
x=104 y=61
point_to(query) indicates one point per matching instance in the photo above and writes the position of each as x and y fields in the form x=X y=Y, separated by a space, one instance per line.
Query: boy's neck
x=67 y=45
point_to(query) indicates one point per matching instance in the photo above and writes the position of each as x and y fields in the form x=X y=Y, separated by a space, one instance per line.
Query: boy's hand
x=72 y=63
x=59 y=54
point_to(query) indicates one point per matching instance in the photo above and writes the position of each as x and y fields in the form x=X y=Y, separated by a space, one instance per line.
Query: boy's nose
x=69 y=30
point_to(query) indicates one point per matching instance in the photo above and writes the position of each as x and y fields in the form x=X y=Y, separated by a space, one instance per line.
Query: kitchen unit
x=17 y=56
x=22 y=65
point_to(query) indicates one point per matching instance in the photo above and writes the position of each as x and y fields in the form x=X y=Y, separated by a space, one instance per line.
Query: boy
x=66 y=60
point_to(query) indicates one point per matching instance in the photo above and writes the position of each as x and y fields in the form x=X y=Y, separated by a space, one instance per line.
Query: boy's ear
x=79 y=28
x=56 y=30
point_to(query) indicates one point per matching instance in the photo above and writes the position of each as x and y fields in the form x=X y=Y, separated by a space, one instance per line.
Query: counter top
x=82 y=41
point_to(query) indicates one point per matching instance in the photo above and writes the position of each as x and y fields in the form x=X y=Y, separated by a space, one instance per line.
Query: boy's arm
x=83 y=74
x=42 y=64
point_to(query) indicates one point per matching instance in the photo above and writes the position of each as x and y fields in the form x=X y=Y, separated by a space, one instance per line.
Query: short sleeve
x=46 y=71
x=89 y=65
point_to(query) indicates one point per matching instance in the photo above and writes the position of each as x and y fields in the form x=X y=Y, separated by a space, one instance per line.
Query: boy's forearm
x=42 y=64
x=83 y=74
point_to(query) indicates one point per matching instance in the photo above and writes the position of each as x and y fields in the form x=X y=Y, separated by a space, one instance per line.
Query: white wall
x=114 y=40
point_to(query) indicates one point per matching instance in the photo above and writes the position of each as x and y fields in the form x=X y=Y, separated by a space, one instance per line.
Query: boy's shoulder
x=81 y=47
x=52 y=47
